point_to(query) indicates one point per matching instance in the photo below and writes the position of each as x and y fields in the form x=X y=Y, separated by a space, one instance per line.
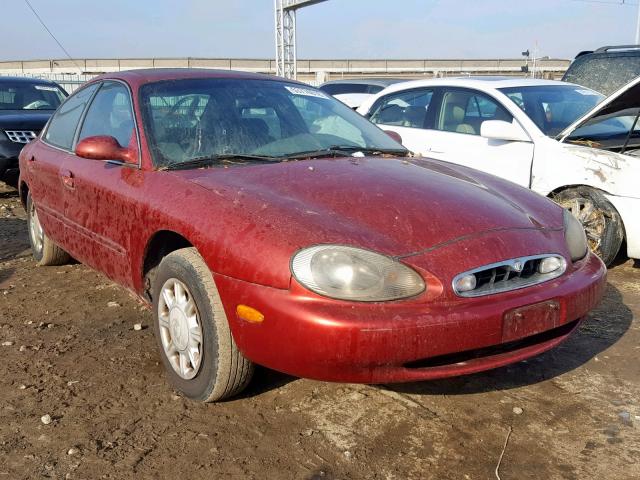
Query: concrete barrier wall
x=71 y=73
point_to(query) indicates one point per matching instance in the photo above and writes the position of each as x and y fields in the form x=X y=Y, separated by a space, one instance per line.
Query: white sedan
x=561 y=140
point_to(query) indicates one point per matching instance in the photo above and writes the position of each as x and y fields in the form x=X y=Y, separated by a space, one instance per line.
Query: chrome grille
x=21 y=136
x=509 y=275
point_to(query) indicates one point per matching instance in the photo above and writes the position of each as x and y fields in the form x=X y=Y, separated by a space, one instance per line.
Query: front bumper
x=310 y=336
x=9 y=153
x=8 y=165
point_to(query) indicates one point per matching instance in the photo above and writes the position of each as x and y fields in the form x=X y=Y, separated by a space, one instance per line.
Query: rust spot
x=598 y=173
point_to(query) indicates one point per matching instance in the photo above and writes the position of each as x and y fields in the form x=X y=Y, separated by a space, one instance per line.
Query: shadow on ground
x=13 y=237
x=264 y=380
x=5 y=274
x=603 y=328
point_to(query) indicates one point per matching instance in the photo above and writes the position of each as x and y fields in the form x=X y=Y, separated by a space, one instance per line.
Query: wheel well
x=24 y=191
x=557 y=190
x=551 y=195
x=161 y=244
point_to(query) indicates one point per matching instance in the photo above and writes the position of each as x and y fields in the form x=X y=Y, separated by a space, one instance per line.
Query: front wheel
x=198 y=351
x=598 y=216
x=44 y=250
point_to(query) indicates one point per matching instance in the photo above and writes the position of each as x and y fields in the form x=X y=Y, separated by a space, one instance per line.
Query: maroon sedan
x=266 y=222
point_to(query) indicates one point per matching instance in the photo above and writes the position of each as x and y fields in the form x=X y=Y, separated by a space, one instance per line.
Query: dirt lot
x=69 y=354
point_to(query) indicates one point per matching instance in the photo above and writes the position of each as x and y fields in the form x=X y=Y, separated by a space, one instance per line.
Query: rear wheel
x=598 y=216
x=44 y=250
x=198 y=351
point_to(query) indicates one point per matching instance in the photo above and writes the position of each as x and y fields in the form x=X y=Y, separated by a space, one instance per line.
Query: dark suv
x=606 y=69
x=25 y=106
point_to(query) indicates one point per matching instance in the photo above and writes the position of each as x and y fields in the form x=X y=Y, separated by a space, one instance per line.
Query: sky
x=335 y=29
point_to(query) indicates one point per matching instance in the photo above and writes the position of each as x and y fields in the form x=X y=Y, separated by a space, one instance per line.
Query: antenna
x=52 y=35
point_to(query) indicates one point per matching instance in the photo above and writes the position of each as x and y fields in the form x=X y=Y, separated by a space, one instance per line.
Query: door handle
x=67 y=179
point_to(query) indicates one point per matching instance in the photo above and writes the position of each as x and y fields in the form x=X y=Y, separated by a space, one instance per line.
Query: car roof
x=479 y=82
x=150 y=75
x=381 y=82
x=614 y=50
x=26 y=80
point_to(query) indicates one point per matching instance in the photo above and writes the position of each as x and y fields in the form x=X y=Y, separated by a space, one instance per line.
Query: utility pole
x=638 y=26
x=285 y=21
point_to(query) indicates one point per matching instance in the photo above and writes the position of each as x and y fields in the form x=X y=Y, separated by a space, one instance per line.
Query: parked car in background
x=267 y=222
x=25 y=106
x=353 y=92
x=561 y=140
x=606 y=69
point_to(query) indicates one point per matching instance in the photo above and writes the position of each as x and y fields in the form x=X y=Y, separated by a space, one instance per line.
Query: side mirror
x=395 y=135
x=104 y=147
x=501 y=130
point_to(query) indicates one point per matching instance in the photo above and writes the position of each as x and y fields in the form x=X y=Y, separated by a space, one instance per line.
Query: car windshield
x=29 y=96
x=192 y=119
x=553 y=107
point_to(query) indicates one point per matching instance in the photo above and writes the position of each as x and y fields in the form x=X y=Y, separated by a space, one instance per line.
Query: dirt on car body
x=70 y=351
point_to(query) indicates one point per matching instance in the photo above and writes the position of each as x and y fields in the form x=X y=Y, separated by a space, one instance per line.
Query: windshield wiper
x=345 y=151
x=210 y=160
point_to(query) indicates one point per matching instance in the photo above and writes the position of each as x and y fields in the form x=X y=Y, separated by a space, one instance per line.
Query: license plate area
x=530 y=320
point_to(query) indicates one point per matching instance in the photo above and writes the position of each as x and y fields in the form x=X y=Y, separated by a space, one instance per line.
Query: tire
x=201 y=359
x=601 y=221
x=45 y=252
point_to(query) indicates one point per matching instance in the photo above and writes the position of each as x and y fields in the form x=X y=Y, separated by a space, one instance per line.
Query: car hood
x=624 y=98
x=391 y=205
x=24 y=119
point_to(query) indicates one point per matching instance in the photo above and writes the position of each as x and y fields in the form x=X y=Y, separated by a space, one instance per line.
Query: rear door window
x=62 y=126
x=403 y=109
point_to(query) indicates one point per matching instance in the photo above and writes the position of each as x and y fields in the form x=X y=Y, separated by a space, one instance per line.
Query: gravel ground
x=69 y=350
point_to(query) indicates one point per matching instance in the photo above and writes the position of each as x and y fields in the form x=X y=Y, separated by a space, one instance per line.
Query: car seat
x=453 y=114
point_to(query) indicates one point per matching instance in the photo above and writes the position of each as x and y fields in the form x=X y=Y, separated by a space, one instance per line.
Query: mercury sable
x=265 y=222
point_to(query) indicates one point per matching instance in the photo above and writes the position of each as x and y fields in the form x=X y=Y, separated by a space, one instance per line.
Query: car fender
x=557 y=166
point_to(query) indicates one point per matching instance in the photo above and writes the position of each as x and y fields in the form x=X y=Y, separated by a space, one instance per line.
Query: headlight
x=575 y=236
x=348 y=273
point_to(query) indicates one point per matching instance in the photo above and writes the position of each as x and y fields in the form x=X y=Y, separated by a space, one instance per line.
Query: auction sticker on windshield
x=586 y=92
x=309 y=92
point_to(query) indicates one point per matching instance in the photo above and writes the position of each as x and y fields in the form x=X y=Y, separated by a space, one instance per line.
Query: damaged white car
x=561 y=140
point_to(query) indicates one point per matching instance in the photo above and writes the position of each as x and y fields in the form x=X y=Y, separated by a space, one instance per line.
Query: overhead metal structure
x=285 y=16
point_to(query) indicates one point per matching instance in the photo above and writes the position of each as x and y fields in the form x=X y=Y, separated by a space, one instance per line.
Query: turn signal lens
x=465 y=283
x=550 y=264
x=249 y=314
x=575 y=237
